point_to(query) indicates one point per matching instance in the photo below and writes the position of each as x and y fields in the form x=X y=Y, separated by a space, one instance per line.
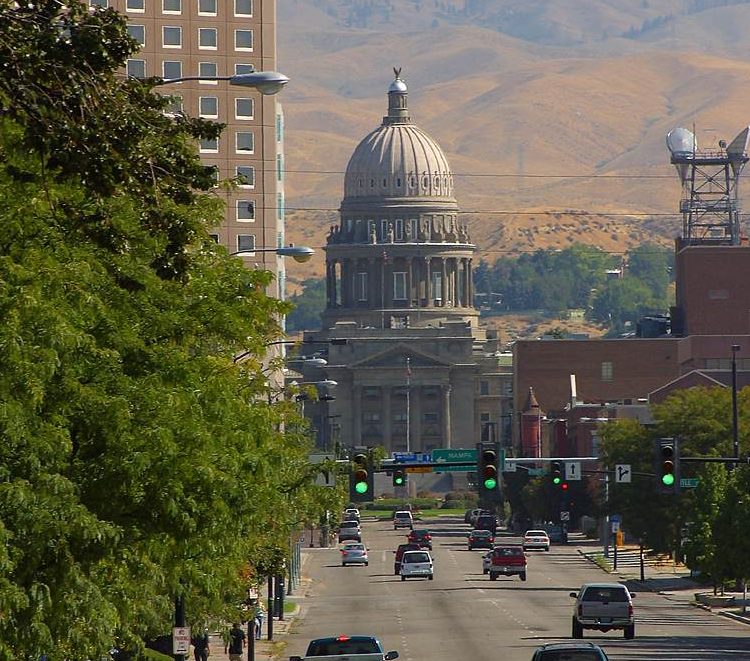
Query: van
x=403 y=519
x=486 y=522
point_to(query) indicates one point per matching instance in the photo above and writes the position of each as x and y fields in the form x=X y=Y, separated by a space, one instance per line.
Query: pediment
x=395 y=357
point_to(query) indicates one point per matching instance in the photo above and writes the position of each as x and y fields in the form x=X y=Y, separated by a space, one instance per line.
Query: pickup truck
x=603 y=606
x=508 y=561
x=346 y=648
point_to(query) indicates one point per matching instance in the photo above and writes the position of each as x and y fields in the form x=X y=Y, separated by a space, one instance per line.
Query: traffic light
x=361 y=479
x=667 y=465
x=557 y=474
x=488 y=472
x=399 y=477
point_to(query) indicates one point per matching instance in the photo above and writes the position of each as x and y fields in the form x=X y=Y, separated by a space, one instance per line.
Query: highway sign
x=689 y=482
x=454 y=454
x=412 y=457
x=572 y=470
x=623 y=473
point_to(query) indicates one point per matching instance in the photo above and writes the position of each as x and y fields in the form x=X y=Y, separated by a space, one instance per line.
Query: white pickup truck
x=346 y=648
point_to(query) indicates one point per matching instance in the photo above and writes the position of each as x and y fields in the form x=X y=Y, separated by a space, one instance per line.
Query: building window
x=245 y=176
x=362 y=285
x=103 y=4
x=280 y=206
x=484 y=417
x=244 y=108
x=135 y=5
x=246 y=243
x=484 y=388
x=171 y=6
x=213 y=173
x=430 y=417
x=171 y=36
x=214 y=237
x=208 y=70
x=243 y=7
x=399 y=417
x=244 y=142
x=207 y=7
x=607 y=372
x=371 y=392
x=208 y=38
x=175 y=104
x=243 y=40
x=138 y=33
x=209 y=145
x=279 y=167
x=413 y=228
x=372 y=417
x=171 y=69
x=242 y=69
x=208 y=106
x=136 y=68
x=245 y=210
x=399 y=229
x=399 y=286
x=279 y=127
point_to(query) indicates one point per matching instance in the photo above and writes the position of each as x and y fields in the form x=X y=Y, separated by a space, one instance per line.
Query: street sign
x=509 y=466
x=615 y=526
x=412 y=457
x=572 y=470
x=564 y=516
x=181 y=640
x=454 y=454
x=689 y=482
x=536 y=472
x=418 y=469
x=623 y=474
x=616 y=518
x=324 y=478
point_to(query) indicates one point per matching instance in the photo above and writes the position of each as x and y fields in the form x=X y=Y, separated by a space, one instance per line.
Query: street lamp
x=299 y=254
x=266 y=82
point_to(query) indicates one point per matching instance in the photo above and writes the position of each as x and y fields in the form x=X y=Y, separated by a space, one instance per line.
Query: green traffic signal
x=556 y=480
x=399 y=480
x=490 y=483
x=360 y=487
x=668 y=479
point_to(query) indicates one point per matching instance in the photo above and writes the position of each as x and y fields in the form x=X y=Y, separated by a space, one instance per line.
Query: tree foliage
x=309 y=304
x=137 y=460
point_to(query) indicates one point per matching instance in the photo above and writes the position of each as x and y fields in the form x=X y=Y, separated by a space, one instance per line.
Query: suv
x=402 y=548
x=416 y=564
x=351 y=514
x=350 y=530
x=421 y=537
x=403 y=519
x=486 y=522
x=569 y=652
x=603 y=606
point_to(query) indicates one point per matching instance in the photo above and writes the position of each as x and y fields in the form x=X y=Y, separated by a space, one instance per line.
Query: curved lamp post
x=266 y=82
x=299 y=254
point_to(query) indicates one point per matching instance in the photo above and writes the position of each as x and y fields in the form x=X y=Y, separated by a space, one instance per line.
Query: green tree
x=621 y=303
x=308 y=306
x=137 y=461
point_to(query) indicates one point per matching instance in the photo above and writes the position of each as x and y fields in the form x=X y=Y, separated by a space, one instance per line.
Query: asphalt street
x=462 y=615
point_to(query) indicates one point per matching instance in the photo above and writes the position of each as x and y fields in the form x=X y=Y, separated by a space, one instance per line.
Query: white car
x=403 y=519
x=536 y=539
x=486 y=562
x=603 y=606
x=417 y=564
x=354 y=553
x=351 y=514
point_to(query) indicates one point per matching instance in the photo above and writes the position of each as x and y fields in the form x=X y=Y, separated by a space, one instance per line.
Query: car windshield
x=349 y=524
x=420 y=533
x=536 y=533
x=416 y=557
x=605 y=594
x=355 y=547
x=569 y=655
x=335 y=646
x=403 y=515
x=508 y=551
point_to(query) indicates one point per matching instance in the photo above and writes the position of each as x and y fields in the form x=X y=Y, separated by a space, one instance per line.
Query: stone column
x=357 y=414
x=447 y=415
x=466 y=282
x=345 y=283
x=428 y=282
x=329 y=287
x=385 y=393
x=470 y=280
x=334 y=284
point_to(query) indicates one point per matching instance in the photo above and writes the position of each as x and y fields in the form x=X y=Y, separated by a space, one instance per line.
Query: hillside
x=552 y=113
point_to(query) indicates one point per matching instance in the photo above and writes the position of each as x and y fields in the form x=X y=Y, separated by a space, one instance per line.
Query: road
x=461 y=615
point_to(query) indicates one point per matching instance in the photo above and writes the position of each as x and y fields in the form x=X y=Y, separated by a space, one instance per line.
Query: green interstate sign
x=454 y=454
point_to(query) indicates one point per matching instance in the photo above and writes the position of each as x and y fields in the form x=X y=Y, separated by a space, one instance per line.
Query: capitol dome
x=398 y=159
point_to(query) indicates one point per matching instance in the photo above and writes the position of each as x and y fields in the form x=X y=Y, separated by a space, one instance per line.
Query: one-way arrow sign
x=623 y=473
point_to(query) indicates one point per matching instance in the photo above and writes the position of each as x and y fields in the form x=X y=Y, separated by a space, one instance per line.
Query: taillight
x=630 y=610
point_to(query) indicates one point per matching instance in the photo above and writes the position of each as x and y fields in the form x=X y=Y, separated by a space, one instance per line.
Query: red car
x=421 y=537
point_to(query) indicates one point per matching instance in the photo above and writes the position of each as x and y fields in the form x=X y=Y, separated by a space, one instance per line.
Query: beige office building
x=212 y=38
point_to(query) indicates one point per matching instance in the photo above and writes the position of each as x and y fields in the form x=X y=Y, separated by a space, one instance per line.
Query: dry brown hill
x=552 y=114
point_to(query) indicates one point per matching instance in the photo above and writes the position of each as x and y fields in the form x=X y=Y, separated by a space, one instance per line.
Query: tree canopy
x=137 y=461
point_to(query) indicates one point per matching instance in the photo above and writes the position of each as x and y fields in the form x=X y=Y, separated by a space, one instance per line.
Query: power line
x=500 y=175
x=508 y=212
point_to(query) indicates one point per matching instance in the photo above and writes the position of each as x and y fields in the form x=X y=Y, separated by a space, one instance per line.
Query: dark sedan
x=481 y=539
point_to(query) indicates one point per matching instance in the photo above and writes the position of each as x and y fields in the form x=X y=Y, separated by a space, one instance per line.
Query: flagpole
x=408 y=402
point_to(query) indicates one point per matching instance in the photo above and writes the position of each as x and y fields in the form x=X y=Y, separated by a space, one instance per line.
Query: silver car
x=416 y=564
x=354 y=554
x=603 y=606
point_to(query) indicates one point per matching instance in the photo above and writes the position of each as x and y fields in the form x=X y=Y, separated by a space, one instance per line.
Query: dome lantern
x=398 y=113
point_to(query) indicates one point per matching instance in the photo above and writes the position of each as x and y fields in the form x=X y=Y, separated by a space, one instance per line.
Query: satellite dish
x=682 y=145
x=681 y=142
x=737 y=150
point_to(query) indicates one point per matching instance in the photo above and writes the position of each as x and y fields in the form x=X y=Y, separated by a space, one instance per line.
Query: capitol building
x=417 y=371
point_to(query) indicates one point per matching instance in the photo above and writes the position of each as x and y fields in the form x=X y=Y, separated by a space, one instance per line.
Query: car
x=507 y=561
x=467 y=516
x=354 y=554
x=603 y=606
x=351 y=514
x=475 y=513
x=421 y=537
x=350 y=530
x=486 y=522
x=569 y=652
x=399 y=552
x=403 y=519
x=367 y=648
x=535 y=539
x=556 y=534
x=417 y=564
x=480 y=539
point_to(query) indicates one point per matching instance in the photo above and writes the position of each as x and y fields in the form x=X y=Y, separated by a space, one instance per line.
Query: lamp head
x=266 y=82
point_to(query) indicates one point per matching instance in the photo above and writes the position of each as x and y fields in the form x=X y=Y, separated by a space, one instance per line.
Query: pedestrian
x=235 y=645
x=259 y=616
x=201 y=646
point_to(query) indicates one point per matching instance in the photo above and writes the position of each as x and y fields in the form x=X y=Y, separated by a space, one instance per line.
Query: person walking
x=236 y=643
x=259 y=616
x=201 y=646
